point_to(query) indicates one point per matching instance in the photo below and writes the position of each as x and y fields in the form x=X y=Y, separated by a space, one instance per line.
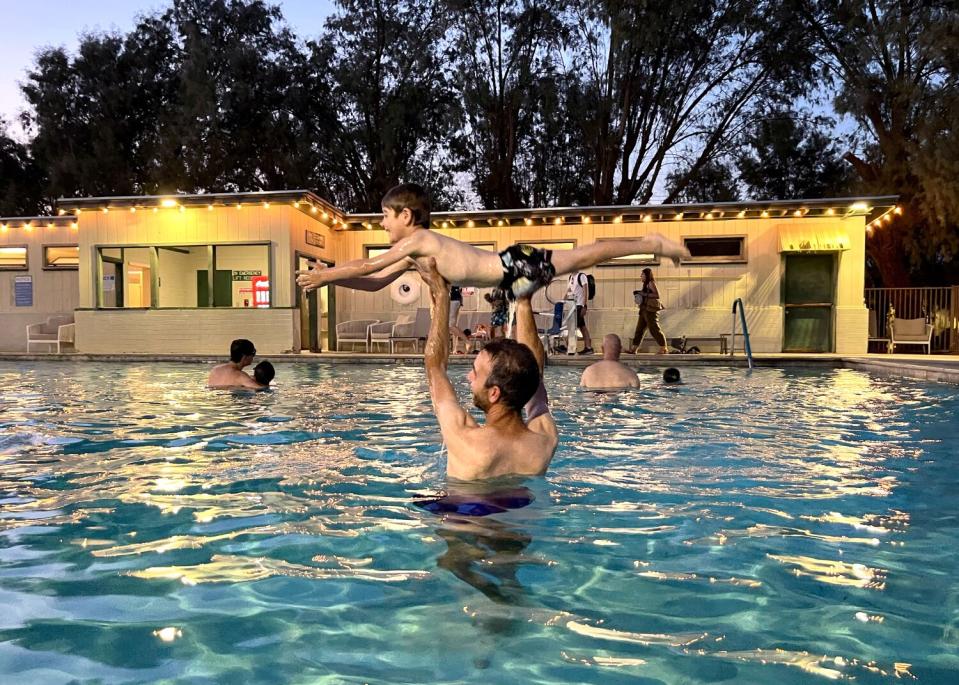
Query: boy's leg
x=579 y=258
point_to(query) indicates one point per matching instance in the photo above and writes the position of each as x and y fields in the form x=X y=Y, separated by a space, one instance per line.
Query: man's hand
x=437 y=284
x=311 y=279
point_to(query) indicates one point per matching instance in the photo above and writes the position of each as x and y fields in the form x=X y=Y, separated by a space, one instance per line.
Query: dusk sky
x=31 y=25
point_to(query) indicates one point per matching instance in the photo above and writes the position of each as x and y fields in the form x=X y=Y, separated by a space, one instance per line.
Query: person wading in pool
x=519 y=270
x=506 y=376
x=231 y=374
x=610 y=373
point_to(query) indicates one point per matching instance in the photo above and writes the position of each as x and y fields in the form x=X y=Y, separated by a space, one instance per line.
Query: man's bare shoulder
x=609 y=374
x=485 y=452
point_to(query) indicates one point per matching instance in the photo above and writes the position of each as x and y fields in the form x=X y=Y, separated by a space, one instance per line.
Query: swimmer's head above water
x=671 y=375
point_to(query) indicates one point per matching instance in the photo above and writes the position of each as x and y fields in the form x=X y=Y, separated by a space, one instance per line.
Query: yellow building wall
x=698 y=297
x=54 y=292
x=184 y=331
x=187 y=330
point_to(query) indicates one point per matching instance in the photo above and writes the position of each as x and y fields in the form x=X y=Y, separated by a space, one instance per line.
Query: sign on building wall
x=315 y=239
x=23 y=291
x=109 y=283
x=246 y=275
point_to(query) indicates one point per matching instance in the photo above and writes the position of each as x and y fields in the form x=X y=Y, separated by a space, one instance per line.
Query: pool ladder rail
x=738 y=303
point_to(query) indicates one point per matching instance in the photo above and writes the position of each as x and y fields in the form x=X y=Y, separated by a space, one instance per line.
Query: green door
x=809 y=296
x=222 y=288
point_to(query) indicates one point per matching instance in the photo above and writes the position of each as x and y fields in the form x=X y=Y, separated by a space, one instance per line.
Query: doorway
x=809 y=296
x=317 y=310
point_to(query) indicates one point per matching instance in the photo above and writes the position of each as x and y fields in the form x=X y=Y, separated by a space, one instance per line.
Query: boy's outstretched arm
x=358 y=268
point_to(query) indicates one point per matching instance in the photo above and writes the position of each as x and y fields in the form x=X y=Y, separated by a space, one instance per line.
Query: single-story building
x=188 y=273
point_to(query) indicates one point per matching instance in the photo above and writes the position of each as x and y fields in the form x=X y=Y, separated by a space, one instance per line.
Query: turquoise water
x=783 y=526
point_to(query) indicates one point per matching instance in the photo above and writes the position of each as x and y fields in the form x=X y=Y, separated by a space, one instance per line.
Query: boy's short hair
x=239 y=348
x=514 y=370
x=410 y=196
x=264 y=372
x=671 y=375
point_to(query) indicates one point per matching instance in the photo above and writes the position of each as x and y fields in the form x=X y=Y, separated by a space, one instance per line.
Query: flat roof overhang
x=874 y=209
x=306 y=201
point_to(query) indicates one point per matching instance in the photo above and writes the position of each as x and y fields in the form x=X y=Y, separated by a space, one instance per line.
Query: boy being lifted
x=519 y=270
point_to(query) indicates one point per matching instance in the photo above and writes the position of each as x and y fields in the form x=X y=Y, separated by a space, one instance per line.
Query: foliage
x=895 y=66
x=787 y=155
x=398 y=112
x=20 y=179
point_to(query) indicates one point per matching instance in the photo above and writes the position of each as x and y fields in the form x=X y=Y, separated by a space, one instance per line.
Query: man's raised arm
x=437 y=353
x=526 y=330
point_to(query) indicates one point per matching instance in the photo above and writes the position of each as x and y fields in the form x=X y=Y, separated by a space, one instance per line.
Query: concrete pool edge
x=938 y=368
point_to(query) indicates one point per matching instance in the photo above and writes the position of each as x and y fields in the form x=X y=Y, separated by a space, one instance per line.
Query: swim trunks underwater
x=478 y=505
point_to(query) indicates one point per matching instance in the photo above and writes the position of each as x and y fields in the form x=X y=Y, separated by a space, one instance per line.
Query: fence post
x=954 y=320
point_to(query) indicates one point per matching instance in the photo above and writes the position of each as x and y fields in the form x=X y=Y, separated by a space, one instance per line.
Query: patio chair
x=911 y=332
x=353 y=332
x=380 y=333
x=874 y=331
x=56 y=330
x=412 y=331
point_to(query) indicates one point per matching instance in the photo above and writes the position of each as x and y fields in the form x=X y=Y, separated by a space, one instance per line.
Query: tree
x=236 y=61
x=786 y=156
x=504 y=61
x=96 y=118
x=398 y=111
x=21 y=181
x=713 y=181
x=895 y=65
x=668 y=78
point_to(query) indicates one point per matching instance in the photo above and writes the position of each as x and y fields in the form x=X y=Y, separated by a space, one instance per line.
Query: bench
x=911 y=332
x=56 y=330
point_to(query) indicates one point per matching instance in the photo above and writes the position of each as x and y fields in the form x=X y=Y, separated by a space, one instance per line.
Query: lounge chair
x=353 y=332
x=381 y=332
x=56 y=330
x=911 y=332
x=411 y=332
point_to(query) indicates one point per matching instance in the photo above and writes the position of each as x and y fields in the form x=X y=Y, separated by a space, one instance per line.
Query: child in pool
x=519 y=270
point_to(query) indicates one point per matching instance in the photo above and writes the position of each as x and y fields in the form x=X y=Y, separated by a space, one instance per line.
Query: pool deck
x=936 y=367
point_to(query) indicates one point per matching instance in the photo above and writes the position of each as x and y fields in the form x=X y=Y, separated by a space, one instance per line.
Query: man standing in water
x=609 y=374
x=231 y=374
x=507 y=375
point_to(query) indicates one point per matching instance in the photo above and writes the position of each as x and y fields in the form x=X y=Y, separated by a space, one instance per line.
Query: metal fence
x=938 y=306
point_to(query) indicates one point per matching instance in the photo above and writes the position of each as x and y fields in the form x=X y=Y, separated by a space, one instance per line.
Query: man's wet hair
x=264 y=372
x=239 y=348
x=410 y=196
x=671 y=375
x=514 y=370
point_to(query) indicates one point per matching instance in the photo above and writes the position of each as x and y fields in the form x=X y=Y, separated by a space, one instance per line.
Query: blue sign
x=23 y=291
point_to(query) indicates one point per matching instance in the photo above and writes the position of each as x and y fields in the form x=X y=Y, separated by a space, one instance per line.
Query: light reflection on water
x=778 y=526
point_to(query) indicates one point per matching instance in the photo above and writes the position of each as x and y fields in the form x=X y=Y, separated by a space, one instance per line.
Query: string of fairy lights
x=443 y=220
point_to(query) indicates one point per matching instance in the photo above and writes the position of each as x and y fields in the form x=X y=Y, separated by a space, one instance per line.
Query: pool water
x=779 y=526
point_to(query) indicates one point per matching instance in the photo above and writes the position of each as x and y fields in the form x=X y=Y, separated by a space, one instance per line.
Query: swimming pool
x=784 y=526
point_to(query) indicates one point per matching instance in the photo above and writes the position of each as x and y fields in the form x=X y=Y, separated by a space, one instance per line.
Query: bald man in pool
x=610 y=373
x=507 y=375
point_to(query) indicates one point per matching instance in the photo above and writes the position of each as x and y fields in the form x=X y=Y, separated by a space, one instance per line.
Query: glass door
x=809 y=295
x=315 y=311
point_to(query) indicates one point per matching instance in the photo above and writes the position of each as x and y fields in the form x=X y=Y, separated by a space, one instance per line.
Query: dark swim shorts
x=525 y=269
x=479 y=505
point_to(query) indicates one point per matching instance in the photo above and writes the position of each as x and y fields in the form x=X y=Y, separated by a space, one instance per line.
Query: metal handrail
x=742 y=317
